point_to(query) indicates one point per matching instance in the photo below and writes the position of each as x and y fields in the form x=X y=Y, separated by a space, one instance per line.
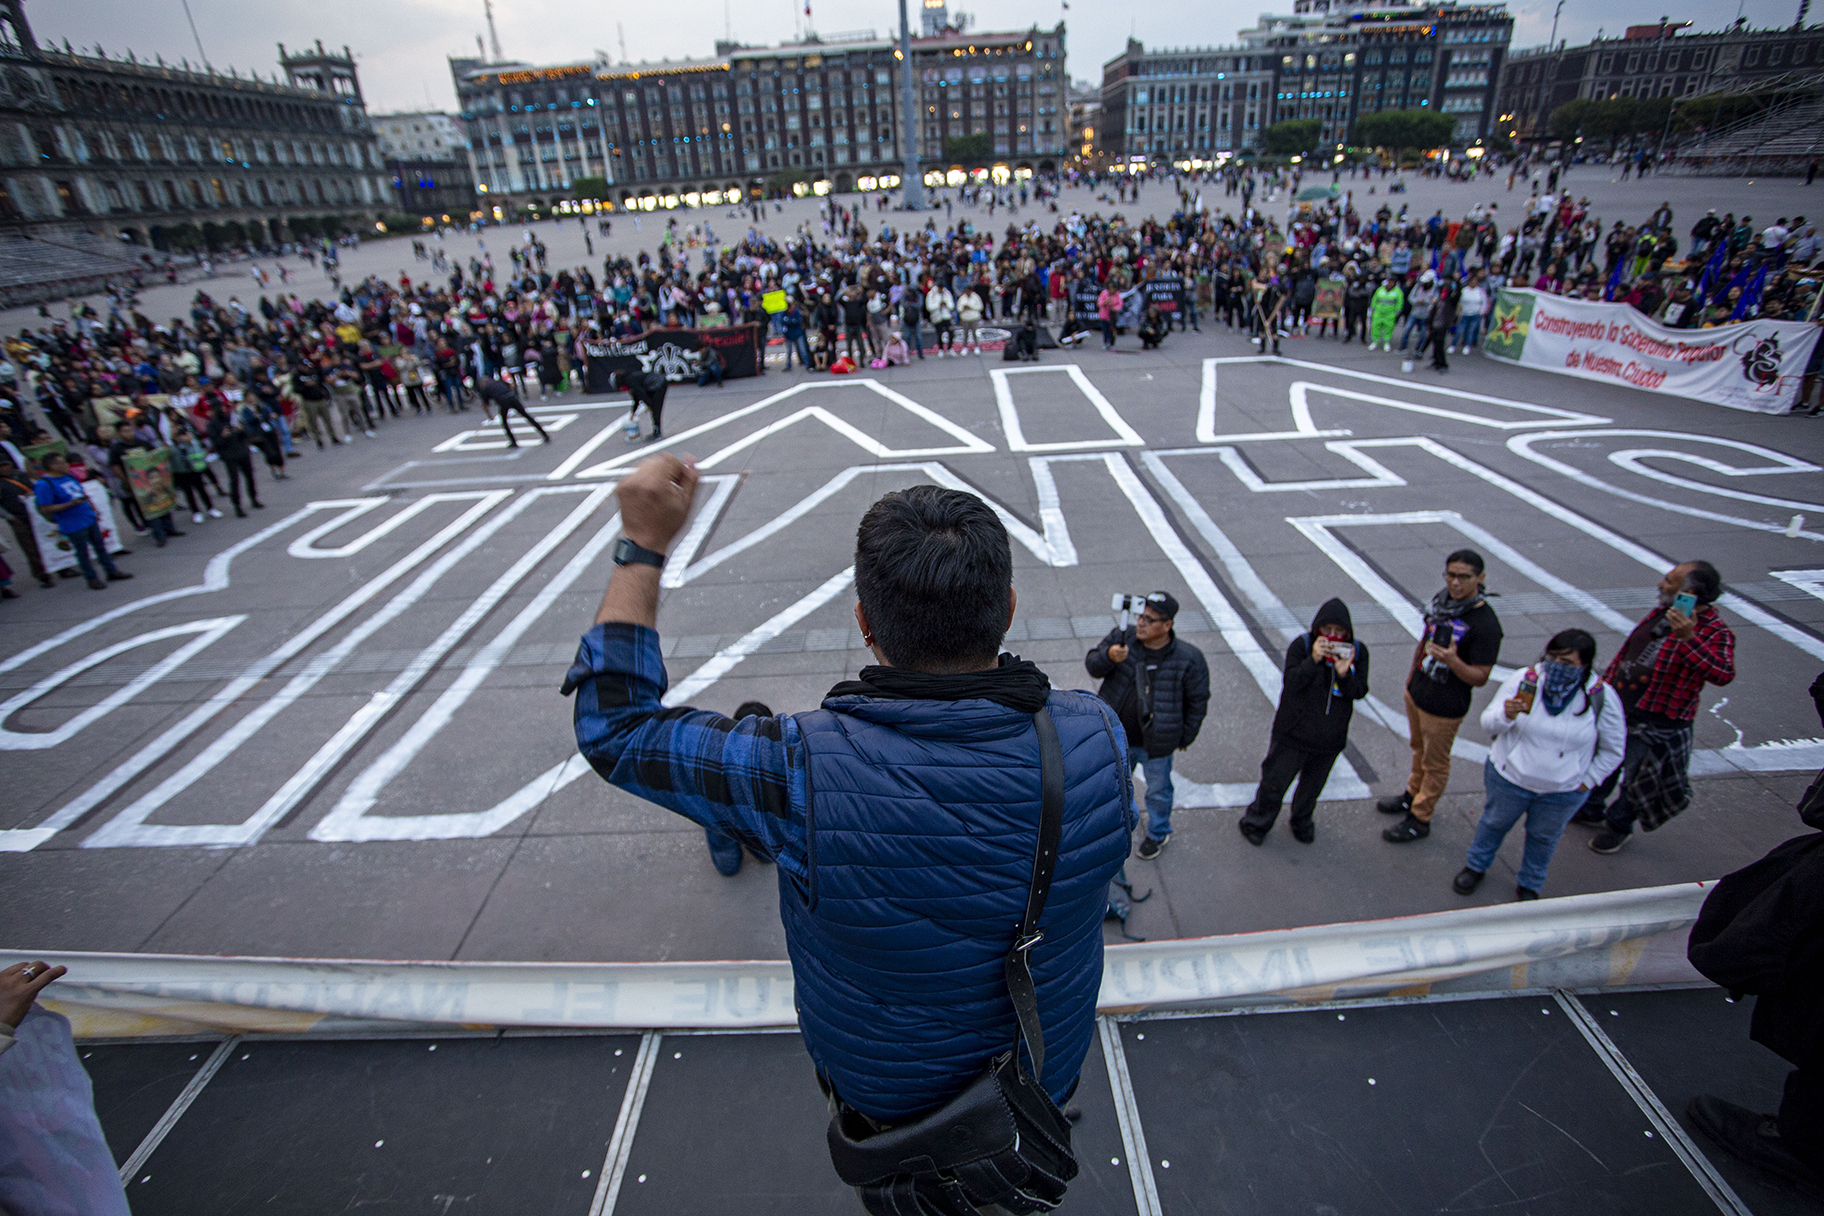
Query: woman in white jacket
x=940 y=306
x=1559 y=731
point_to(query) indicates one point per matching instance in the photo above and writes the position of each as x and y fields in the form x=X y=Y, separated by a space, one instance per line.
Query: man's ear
x=1013 y=603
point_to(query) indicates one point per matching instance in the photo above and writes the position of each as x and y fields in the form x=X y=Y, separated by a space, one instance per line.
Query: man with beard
x=1659 y=674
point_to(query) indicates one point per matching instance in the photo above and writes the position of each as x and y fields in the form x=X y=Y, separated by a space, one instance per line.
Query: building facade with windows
x=1330 y=60
x=1337 y=61
x=427 y=164
x=115 y=147
x=752 y=119
x=1184 y=104
x=1666 y=59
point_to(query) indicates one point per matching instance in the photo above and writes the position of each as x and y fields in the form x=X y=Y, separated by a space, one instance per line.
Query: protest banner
x=55 y=548
x=671 y=351
x=1328 y=304
x=149 y=477
x=1162 y=291
x=1751 y=365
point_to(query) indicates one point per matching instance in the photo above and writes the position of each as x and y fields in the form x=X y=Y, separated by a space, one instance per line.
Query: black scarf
x=1015 y=683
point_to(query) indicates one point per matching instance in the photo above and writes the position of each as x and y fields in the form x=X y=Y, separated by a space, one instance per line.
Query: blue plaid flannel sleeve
x=746 y=778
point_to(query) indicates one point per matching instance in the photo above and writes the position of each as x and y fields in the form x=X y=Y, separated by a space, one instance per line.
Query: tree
x=1567 y=121
x=1610 y=119
x=1401 y=129
x=1292 y=136
x=968 y=149
x=593 y=188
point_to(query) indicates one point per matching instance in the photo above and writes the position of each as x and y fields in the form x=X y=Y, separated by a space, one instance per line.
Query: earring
x=867 y=639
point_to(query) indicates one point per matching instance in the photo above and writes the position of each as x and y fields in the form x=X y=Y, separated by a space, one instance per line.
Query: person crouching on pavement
x=1559 y=731
x=1159 y=686
x=1326 y=674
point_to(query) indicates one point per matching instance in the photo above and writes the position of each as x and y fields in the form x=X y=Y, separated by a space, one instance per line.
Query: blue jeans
x=1468 y=330
x=802 y=347
x=1158 y=795
x=1415 y=322
x=1546 y=817
x=83 y=541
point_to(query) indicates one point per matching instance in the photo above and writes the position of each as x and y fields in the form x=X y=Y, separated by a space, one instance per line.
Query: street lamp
x=1551 y=73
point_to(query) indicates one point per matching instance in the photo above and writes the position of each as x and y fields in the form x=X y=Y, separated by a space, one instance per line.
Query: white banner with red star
x=1751 y=365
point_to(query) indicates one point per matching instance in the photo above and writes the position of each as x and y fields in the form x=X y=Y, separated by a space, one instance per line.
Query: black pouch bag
x=1002 y=1140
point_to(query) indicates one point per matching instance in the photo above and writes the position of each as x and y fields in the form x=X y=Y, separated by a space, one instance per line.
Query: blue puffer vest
x=923 y=818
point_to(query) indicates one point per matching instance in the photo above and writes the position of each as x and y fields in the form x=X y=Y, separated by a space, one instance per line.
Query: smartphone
x=1685 y=604
x=1442 y=634
x=1529 y=687
x=1342 y=650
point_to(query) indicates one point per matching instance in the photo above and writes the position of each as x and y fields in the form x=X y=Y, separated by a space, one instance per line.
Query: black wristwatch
x=626 y=553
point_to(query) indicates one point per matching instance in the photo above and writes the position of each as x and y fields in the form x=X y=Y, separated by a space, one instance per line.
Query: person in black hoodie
x=1761 y=930
x=1326 y=674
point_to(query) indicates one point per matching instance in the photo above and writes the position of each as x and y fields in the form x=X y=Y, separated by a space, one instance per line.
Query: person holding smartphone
x=1326 y=674
x=1557 y=732
x=1659 y=675
x=1459 y=647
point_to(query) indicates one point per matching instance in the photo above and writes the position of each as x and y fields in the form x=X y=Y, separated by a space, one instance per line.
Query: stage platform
x=1537 y=1102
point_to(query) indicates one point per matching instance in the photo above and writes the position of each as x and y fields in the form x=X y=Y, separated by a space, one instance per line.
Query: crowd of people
x=231 y=385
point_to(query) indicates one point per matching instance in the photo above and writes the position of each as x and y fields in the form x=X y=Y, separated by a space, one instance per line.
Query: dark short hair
x=1576 y=640
x=933 y=570
x=1469 y=557
x=1704 y=582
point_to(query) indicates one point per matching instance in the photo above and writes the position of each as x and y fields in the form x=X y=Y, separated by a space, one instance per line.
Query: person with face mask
x=1558 y=732
x=1659 y=676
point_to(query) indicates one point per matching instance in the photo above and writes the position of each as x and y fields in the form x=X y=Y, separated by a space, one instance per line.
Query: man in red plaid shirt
x=1659 y=675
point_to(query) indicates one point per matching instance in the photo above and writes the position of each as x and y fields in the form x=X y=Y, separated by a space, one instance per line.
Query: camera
x=1341 y=650
x=1128 y=603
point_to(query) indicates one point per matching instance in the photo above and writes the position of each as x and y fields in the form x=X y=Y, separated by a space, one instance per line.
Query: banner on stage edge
x=1751 y=365
x=1579 y=942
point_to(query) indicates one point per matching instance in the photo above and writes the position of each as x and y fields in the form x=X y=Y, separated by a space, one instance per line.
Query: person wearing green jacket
x=1383 y=311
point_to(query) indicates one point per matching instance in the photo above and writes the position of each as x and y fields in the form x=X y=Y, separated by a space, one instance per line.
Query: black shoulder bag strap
x=1044 y=860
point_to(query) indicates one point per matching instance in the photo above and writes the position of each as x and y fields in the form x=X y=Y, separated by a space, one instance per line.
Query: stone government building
x=147 y=154
x=823 y=112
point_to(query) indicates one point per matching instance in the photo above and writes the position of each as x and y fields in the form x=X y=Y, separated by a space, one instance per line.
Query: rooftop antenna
x=620 y=32
x=195 y=35
x=493 y=34
x=480 y=51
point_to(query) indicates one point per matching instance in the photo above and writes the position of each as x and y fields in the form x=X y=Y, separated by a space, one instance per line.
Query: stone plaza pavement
x=333 y=729
x=1766 y=199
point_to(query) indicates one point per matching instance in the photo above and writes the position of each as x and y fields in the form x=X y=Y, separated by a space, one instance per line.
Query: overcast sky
x=401 y=45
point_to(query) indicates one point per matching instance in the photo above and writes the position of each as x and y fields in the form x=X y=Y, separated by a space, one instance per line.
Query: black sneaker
x=1255 y=836
x=1406 y=830
x=118 y=576
x=96 y=584
x=1304 y=833
x=1466 y=881
x=1588 y=818
x=1754 y=1138
x=1523 y=894
x=1150 y=849
x=1608 y=841
x=1399 y=804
